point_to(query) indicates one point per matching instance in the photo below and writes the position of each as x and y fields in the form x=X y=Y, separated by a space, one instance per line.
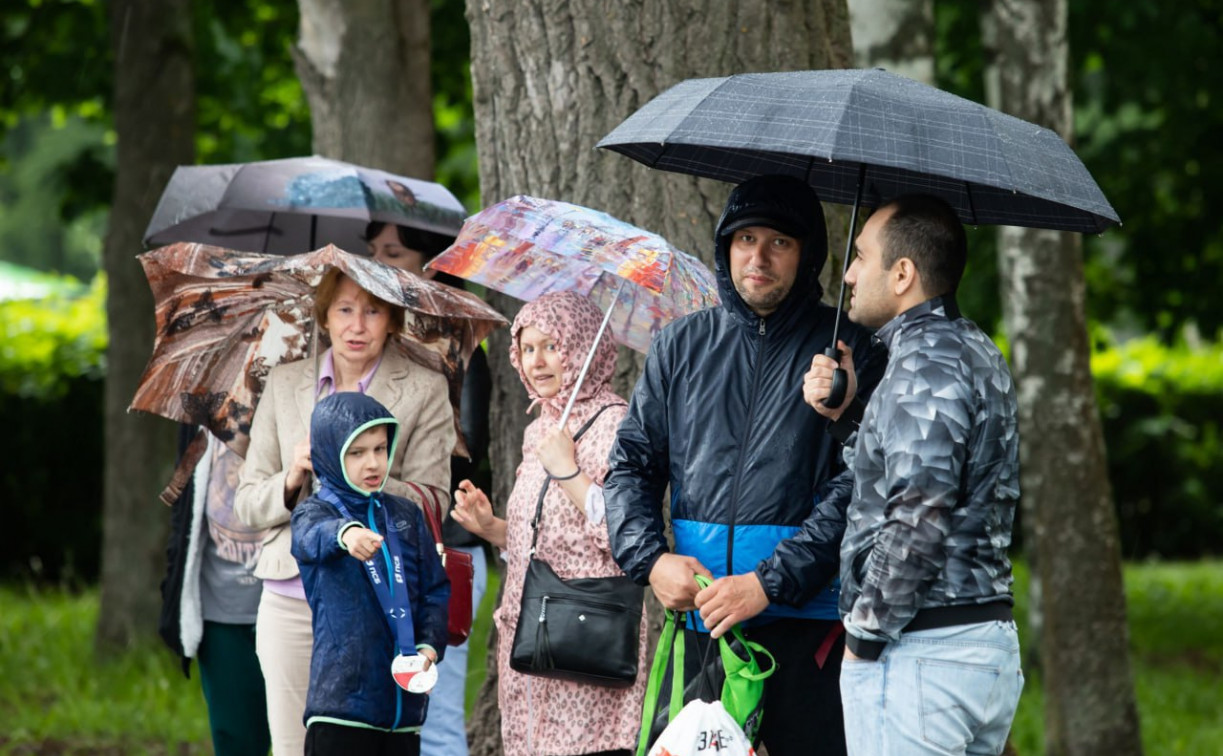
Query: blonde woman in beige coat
x=276 y=474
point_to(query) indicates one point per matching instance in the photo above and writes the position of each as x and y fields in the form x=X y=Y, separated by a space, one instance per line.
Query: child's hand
x=429 y=654
x=362 y=543
x=556 y=452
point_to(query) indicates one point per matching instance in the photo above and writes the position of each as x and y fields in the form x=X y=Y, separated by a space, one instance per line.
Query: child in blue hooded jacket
x=375 y=585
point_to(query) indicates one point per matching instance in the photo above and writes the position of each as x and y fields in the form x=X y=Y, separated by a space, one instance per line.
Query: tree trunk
x=897 y=35
x=155 y=122
x=1089 y=693
x=551 y=77
x=364 y=65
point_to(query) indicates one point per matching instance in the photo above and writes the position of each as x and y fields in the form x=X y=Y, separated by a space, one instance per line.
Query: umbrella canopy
x=293 y=205
x=527 y=247
x=225 y=319
x=825 y=127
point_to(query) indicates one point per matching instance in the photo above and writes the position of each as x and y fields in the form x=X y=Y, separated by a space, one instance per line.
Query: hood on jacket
x=336 y=422
x=788 y=205
x=572 y=321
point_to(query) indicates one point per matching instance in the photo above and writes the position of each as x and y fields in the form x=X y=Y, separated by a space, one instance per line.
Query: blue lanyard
x=394 y=603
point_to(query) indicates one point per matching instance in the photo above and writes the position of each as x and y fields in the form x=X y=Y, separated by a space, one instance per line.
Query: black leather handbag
x=581 y=629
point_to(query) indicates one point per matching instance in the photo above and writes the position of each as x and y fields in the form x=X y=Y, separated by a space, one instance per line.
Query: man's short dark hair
x=926 y=230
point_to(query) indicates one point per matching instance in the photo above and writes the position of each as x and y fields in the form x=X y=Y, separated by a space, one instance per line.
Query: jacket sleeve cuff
x=339 y=537
x=772 y=587
x=847 y=424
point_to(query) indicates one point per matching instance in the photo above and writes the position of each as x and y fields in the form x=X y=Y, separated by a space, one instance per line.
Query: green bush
x=52 y=359
x=49 y=343
x=1161 y=409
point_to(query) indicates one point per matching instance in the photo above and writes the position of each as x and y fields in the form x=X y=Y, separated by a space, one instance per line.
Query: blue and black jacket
x=718 y=414
x=350 y=671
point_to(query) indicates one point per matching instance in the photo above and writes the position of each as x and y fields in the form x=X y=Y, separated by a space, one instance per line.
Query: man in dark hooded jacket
x=718 y=415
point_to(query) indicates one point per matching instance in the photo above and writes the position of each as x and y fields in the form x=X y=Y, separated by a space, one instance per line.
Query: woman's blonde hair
x=325 y=294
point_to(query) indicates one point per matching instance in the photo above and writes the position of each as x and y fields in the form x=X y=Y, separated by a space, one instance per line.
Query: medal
x=410 y=673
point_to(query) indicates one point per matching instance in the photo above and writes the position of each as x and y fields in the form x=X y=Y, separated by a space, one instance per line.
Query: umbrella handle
x=840 y=381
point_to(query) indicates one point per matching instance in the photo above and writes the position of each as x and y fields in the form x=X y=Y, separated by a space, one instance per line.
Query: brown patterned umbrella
x=225 y=318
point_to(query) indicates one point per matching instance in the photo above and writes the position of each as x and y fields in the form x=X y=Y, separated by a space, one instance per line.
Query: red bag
x=459 y=569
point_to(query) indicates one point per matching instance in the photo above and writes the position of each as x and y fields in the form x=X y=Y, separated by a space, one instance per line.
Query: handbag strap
x=432 y=518
x=539 y=504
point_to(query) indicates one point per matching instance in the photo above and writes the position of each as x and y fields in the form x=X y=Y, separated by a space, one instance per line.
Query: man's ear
x=904 y=276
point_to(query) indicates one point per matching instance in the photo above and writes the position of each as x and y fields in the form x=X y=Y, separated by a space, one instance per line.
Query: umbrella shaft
x=577 y=387
x=849 y=248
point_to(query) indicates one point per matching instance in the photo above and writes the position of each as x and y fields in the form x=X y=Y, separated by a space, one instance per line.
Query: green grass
x=55 y=698
x=1176 y=641
x=55 y=694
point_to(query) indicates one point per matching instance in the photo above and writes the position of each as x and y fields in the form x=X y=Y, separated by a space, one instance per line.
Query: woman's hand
x=361 y=542
x=474 y=512
x=295 y=478
x=556 y=452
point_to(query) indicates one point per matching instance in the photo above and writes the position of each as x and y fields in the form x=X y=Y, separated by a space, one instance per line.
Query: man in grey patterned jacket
x=932 y=658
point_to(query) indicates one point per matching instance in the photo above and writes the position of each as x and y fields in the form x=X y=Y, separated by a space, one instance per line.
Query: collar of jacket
x=942 y=308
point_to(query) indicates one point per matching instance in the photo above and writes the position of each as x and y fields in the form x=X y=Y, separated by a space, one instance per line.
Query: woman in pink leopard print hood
x=550 y=339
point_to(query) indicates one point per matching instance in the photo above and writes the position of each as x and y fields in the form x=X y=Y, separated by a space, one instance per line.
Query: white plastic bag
x=703 y=729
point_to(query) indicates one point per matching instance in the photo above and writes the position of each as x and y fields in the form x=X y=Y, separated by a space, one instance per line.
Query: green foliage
x=1147 y=116
x=1176 y=641
x=48 y=343
x=1147 y=123
x=250 y=104
x=47 y=165
x=452 y=109
x=1162 y=414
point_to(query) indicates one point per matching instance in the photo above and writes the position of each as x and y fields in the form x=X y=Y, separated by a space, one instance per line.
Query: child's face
x=365 y=459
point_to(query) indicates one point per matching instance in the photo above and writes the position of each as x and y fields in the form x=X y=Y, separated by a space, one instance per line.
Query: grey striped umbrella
x=825 y=127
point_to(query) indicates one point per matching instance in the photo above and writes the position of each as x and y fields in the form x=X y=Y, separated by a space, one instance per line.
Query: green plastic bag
x=742 y=684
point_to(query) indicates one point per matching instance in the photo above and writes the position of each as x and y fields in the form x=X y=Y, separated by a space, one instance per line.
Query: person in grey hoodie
x=931 y=663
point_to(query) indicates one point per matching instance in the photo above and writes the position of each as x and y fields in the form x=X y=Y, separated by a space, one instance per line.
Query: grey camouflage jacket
x=935 y=464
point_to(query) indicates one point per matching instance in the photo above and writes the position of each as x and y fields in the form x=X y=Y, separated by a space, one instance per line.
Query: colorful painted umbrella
x=527 y=247
x=294 y=205
x=225 y=319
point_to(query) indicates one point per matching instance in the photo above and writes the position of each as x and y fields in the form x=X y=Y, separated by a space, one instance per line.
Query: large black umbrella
x=825 y=126
x=295 y=205
x=862 y=137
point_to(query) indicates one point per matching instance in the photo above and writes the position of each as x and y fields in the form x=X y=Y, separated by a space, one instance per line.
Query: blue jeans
x=951 y=690
x=445 y=730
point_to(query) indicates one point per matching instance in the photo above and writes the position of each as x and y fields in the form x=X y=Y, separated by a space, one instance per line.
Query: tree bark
x=155 y=121
x=364 y=65
x=1089 y=693
x=551 y=77
x=897 y=35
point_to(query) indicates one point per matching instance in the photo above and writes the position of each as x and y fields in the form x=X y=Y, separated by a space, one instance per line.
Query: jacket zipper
x=751 y=416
